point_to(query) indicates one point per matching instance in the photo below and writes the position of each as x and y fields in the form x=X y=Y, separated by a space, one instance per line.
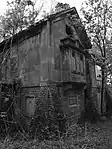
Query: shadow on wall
x=90 y=112
x=108 y=99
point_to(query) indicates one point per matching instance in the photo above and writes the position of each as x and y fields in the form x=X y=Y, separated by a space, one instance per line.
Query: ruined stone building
x=48 y=57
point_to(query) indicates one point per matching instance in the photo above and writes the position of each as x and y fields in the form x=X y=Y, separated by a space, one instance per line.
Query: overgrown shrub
x=8 y=127
x=49 y=121
x=61 y=122
x=74 y=131
x=44 y=126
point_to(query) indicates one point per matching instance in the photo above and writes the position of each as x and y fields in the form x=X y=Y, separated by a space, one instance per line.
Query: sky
x=73 y=3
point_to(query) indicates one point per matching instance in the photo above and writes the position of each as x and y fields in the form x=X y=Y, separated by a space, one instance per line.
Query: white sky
x=73 y=3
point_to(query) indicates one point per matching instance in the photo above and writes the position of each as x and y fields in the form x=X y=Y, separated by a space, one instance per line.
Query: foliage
x=19 y=15
x=8 y=121
x=56 y=8
x=61 y=6
x=98 y=20
x=48 y=122
x=95 y=137
x=43 y=126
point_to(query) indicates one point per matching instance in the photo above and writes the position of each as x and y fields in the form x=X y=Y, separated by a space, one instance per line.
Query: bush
x=61 y=122
x=42 y=125
x=45 y=127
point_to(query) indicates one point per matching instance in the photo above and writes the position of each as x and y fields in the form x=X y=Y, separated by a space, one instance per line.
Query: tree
x=55 y=8
x=61 y=6
x=98 y=22
x=19 y=15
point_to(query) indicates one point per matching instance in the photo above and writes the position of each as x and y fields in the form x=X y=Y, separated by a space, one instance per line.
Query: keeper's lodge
x=49 y=58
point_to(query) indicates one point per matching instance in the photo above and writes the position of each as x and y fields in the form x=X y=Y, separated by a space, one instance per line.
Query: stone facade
x=60 y=99
x=48 y=58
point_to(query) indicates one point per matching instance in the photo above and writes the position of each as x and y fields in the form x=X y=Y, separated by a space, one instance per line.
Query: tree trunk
x=102 y=90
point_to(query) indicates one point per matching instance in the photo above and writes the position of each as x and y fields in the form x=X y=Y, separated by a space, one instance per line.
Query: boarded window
x=81 y=64
x=73 y=62
x=78 y=62
x=13 y=66
x=57 y=62
x=65 y=60
x=69 y=30
x=73 y=100
x=30 y=105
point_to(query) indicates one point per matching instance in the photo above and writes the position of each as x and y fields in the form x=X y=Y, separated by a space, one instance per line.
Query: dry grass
x=93 y=136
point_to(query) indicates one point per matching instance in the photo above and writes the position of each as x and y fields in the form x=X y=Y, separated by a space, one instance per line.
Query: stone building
x=49 y=58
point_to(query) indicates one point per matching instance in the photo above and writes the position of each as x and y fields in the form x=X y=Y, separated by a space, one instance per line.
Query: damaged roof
x=37 y=27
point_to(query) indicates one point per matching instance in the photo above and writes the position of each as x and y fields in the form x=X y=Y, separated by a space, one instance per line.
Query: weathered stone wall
x=73 y=112
x=61 y=65
x=40 y=94
x=34 y=60
x=28 y=59
x=58 y=99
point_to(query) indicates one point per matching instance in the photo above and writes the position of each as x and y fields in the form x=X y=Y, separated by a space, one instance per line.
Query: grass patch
x=92 y=136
